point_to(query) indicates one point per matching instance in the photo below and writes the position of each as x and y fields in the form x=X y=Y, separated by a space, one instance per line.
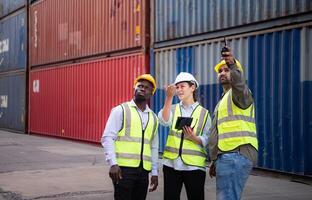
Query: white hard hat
x=186 y=77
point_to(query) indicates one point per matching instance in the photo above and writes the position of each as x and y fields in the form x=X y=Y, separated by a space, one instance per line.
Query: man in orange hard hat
x=130 y=143
x=232 y=143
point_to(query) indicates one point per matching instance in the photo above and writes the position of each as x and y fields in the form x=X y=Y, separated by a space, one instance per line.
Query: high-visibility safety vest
x=133 y=144
x=190 y=152
x=236 y=126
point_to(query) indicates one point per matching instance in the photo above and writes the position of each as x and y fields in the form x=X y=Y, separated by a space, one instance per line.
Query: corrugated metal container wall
x=82 y=28
x=13 y=42
x=12 y=101
x=176 y=18
x=279 y=75
x=74 y=101
x=9 y=6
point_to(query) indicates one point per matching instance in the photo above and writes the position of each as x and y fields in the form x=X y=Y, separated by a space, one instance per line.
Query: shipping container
x=82 y=28
x=13 y=101
x=13 y=38
x=277 y=67
x=9 y=6
x=74 y=101
x=181 y=18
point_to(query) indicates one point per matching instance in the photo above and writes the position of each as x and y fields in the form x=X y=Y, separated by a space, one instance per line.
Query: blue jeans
x=232 y=171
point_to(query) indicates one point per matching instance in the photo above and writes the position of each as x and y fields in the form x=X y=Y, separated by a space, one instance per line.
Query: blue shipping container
x=13 y=101
x=13 y=40
x=278 y=72
x=9 y=6
x=180 y=18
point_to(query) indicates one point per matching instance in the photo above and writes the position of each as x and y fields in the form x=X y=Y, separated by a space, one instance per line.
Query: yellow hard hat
x=147 y=77
x=220 y=64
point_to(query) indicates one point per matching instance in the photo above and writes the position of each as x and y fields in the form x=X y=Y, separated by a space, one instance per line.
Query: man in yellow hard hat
x=130 y=143
x=233 y=143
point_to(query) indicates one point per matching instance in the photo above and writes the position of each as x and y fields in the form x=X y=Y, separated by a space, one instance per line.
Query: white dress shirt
x=186 y=111
x=114 y=125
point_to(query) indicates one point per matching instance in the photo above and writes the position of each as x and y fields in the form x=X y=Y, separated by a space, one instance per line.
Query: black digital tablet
x=183 y=121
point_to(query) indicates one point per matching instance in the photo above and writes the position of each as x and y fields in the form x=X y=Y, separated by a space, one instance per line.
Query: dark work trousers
x=133 y=185
x=194 y=182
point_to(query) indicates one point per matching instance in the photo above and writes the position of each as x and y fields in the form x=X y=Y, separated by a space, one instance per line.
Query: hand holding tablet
x=183 y=121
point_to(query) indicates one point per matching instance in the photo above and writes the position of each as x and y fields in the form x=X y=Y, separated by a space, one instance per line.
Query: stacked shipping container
x=13 y=40
x=13 y=53
x=276 y=61
x=82 y=28
x=74 y=101
x=9 y=6
x=13 y=101
x=107 y=41
x=177 y=19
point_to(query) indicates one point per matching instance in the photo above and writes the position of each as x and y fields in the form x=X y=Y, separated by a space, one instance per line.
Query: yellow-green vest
x=236 y=126
x=190 y=152
x=128 y=145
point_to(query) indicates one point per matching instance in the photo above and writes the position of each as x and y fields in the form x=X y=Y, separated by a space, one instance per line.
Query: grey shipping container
x=13 y=101
x=9 y=6
x=277 y=67
x=13 y=38
x=181 y=18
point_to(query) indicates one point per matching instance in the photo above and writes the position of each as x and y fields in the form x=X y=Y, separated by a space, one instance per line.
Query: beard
x=224 y=80
x=139 y=98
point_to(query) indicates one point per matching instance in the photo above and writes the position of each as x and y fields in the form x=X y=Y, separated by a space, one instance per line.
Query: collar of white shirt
x=193 y=106
x=147 y=109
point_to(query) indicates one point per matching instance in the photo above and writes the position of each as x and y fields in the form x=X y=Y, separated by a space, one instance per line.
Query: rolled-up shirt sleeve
x=161 y=119
x=113 y=126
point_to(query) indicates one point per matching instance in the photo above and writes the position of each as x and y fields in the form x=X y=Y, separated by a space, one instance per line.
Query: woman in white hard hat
x=184 y=157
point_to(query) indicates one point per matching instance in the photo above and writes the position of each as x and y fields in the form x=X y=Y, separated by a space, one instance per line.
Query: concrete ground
x=44 y=168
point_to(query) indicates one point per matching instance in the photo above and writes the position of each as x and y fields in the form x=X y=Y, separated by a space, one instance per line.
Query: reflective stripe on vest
x=236 y=126
x=191 y=153
x=129 y=140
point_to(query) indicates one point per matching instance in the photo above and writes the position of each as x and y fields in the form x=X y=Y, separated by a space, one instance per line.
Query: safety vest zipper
x=181 y=144
x=142 y=148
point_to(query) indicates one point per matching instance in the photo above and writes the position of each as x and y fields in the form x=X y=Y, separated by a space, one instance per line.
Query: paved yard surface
x=44 y=168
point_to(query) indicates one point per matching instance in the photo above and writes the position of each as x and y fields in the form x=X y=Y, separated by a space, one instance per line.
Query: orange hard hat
x=148 y=78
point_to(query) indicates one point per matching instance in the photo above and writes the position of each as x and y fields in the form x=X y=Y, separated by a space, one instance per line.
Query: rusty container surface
x=64 y=30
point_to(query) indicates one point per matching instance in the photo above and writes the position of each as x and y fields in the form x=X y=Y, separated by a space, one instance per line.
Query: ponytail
x=195 y=91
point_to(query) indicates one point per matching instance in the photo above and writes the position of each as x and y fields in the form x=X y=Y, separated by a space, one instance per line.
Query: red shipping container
x=67 y=29
x=74 y=101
